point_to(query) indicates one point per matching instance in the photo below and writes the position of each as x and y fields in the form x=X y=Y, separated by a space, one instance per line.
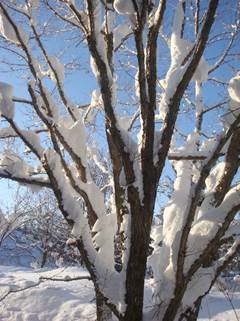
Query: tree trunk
x=44 y=258
x=140 y=236
x=102 y=310
x=135 y=286
x=191 y=314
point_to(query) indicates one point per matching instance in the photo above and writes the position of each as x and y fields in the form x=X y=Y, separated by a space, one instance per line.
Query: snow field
x=74 y=300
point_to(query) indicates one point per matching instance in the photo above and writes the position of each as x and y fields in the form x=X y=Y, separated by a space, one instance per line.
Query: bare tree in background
x=10 y=222
x=46 y=231
x=142 y=130
x=33 y=231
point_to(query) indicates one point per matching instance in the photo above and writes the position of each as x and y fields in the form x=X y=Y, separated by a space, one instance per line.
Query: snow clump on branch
x=6 y=102
x=234 y=104
x=8 y=32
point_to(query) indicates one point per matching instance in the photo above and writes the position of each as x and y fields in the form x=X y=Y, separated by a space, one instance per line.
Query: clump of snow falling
x=57 y=68
x=8 y=32
x=6 y=102
x=38 y=68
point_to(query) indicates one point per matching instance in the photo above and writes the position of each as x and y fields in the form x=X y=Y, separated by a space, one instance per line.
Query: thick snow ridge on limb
x=12 y=166
x=211 y=219
x=102 y=259
x=180 y=49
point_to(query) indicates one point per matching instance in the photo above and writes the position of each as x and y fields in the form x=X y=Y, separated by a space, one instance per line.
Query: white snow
x=6 y=102
x=7 y=132
x=96 y=102
x=8 y=32
x=218 y=307
x=56 y=67
x=234 y=88
x=74 y=300
x=50 y=300
x=104 y=239
x=234 y=103
x=120 y=33
x=34 y=140
x=102 y=259
x=14 y=164
x=75 y=137
x=209 y=220
x=179 y=50
x=124 y=7
x=180 y=47
x=215 y=176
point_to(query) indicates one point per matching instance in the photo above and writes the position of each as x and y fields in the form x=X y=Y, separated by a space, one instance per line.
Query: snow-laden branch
x=205 y=277
x=42 y=279
x=210 y=227
x=26 y=180
x=9 y=132
x=180 y=77
x=57 y=70
x=56 y=165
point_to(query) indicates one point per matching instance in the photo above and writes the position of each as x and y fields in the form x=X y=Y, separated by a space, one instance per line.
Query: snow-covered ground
x=74 y=300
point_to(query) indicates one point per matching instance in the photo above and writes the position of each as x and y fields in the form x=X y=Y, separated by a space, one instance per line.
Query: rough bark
x=103 y=312
x=141 y=219
x=191 y=314
x=44 y=258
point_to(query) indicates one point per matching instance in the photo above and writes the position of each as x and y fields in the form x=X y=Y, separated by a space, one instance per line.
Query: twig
x=67 y=279
x=41 y=280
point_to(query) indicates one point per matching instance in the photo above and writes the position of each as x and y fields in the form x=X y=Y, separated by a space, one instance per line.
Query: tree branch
x=25 y=180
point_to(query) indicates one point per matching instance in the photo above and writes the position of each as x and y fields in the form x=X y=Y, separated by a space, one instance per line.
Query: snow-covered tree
x=46 y=231
x=12 y=220
x=34 y=231
x=154 y=95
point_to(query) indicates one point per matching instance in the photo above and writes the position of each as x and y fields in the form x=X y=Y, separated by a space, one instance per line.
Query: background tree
x=10 y=222
x=47 y=231
x=164 y=118
x=33 y=232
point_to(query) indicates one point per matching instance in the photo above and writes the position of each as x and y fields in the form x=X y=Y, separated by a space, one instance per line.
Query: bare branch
x=66 y=279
